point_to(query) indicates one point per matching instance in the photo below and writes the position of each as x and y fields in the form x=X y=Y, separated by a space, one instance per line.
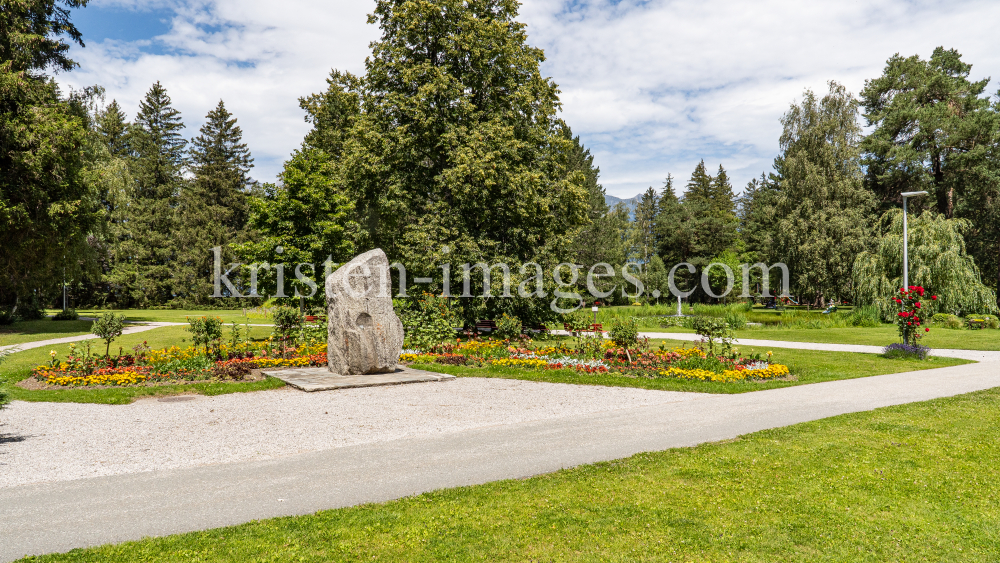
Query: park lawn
x=913 y=482
x=945 y=338
x=18 y=366
x=809 y=366
x=45 y=329
x=172 y=315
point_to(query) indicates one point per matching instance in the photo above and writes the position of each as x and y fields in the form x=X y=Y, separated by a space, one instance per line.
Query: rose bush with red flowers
x=912 y=314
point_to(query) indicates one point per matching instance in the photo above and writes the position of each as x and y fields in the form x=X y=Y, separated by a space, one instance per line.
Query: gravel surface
x=46 y=442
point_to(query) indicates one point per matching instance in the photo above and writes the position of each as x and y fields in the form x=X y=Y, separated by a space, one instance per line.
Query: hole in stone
x=364 y=320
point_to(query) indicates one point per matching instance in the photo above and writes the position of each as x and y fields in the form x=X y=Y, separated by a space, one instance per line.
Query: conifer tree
x=213 y=207
x=644 y=227
x=112 y=128
x=145 y=277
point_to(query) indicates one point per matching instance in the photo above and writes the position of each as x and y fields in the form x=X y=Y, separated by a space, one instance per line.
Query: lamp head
x=912 y=194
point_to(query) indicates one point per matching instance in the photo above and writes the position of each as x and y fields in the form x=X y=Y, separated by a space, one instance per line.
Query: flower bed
x=602 y=356
x=172 y=365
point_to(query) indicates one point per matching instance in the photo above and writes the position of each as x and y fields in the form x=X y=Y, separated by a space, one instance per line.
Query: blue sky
x=650 y=86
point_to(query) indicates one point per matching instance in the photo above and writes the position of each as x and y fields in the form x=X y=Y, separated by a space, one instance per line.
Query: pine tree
x=213 y=208
x=155 y=140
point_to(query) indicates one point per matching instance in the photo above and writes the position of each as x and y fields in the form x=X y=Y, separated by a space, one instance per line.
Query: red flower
x=909 y=324
x=917 y=305
x=927 y=330
x=934 y=297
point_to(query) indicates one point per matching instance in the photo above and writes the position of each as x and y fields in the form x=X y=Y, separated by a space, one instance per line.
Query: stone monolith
x=365 y=335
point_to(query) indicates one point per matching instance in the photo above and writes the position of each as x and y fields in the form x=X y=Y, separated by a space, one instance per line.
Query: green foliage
x=577 y=321
x=308 y=217
x=714 y=331
x=822 y=210
x=108 y=327
x=867 y=316
x=625 y=332
x=430 y=321
x=207 y=332
x=212 y=209
x=735 y=320
x=48 y=200
x=938 y=262
x=148 y=250
x=287 y=321
x=508 y=326
x=66 y=315
x=451 y=138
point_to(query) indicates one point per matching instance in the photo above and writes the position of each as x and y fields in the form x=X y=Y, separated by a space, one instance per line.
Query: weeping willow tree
x=938 y=262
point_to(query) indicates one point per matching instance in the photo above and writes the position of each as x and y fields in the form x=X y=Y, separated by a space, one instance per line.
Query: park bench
x=489 y=325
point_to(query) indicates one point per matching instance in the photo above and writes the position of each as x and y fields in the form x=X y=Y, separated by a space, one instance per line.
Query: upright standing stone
x=365 y=335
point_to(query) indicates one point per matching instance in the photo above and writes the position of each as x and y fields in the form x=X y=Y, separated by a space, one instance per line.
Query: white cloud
x=651 y=87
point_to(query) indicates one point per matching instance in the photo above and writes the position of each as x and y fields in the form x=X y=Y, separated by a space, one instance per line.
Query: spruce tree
x=644 y=226
x=112 y=128
x=158 y=149
x=213 y=207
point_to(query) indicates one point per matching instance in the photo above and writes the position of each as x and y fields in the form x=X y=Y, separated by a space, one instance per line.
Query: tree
x=709 y=213
x=822 y=209
x=213 y=208
x=643 y=237
x=938 y=262
x=48 y=206
x=933 y=129
x=144 y=277
x=458 y=138
x=673 y=226
x=304 y=219
x=448 y=148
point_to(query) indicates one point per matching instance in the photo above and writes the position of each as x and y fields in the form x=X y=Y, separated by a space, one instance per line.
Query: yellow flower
x=52 y=354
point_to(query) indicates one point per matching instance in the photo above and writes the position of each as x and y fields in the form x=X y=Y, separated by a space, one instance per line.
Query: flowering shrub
x=913 y=314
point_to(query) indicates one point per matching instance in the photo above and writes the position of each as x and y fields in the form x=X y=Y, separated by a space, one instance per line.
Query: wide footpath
x=74 y=475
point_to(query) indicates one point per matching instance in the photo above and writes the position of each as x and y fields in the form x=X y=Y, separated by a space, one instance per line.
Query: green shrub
x=67 y=315
x=430 y=321
x=206 y=331
x=508 y=327
x=108 y=327
x=713 y=330
x=948 y=321
x=287 y=322
x=578 y=320
x=625 y=332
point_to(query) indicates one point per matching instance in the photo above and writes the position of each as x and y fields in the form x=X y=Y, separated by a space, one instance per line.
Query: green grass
x=170 y=315
x=907 y=483
x=961 y=339
x=810 y=366
x=17 y=367
x=33 y=331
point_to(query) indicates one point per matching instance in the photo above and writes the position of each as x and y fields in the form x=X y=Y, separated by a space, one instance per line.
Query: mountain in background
x=629 y=203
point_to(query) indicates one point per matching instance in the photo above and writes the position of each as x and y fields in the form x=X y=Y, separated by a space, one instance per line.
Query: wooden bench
x=486 y=325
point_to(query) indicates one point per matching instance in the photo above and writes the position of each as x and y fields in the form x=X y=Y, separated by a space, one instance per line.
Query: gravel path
x=48 y=442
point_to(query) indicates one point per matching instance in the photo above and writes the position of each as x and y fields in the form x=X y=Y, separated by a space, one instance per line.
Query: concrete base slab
x=320 y=379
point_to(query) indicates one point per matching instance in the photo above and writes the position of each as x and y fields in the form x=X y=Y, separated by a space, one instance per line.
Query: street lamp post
x=906 y=256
